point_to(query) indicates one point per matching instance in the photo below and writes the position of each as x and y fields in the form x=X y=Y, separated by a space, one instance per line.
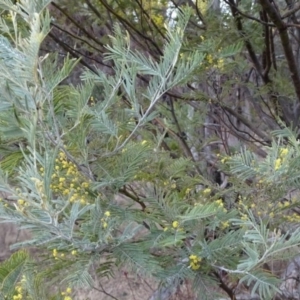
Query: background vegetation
x=159 y=136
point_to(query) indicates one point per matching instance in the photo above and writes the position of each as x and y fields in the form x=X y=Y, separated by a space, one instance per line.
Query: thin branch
x=267 y=51
x=249 y=16
x=104 y=292
x=286 y=44
x=135 y=198
x=272 y=49
x=199 y=14
x=243 y=120
x=149 y=18
x=76 y=37
x=129 y=25
x=179 y=136
x=224 y=286
x=90 y=36
x=248 y=45
x=291 y=12
x=74 y=52
x=292 y=25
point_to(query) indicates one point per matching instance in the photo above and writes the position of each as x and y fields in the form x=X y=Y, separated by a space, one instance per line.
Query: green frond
x=231 y=50
x=80 y=276
x=36 y=287
x=284 y=244
x=11 y=271
x=99 y=176
x=11 y=125
x=136 y=258
x=126 y=164
x=244 y=165
x=200 y=212
x=174 y=273
x=103 y=124
x=223 y=250
x=264 y=283
x=136 y=59
x=53 y=75
x=257 y=231
x=201 y=284
x=10 y=162
x=178 y=167
x=171 y=240
x=105 y=270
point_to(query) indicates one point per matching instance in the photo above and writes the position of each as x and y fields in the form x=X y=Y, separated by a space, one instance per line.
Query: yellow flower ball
x=104 y=225
x=175 y=224
x=206 y=192
x=54 y=252
x=277 y=163
x=21 y=201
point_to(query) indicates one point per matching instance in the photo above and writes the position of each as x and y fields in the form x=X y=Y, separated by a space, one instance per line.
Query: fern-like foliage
x=93 y=172
x=11 y=272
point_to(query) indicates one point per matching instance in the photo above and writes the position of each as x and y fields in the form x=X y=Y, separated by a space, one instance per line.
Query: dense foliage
x=175 y=155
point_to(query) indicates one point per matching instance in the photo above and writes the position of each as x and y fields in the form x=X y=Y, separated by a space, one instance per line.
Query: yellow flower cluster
x=209 y=59
x=158 y=20
x=195 y=262
x=187 y=191
x=92 y=101
x=67 y=180
x=219 y=202
x=225 y=159
x=19 y=290
x=19 y=294
x=206 y=192
x=224 y=225
x=282 y=154
x=104 y=220
x=7 y=17
x=67 y=293
x=218 y=64
x=22 y=202
x=295 y=218
x=175 y=224
x=171 y=184
x=277 y=163
x=244 y=217
x=282 y=211
x=56 y=254
x=202 y=6
x=284 y=204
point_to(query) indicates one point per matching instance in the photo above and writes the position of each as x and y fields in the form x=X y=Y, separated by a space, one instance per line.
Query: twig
x=104 y=292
